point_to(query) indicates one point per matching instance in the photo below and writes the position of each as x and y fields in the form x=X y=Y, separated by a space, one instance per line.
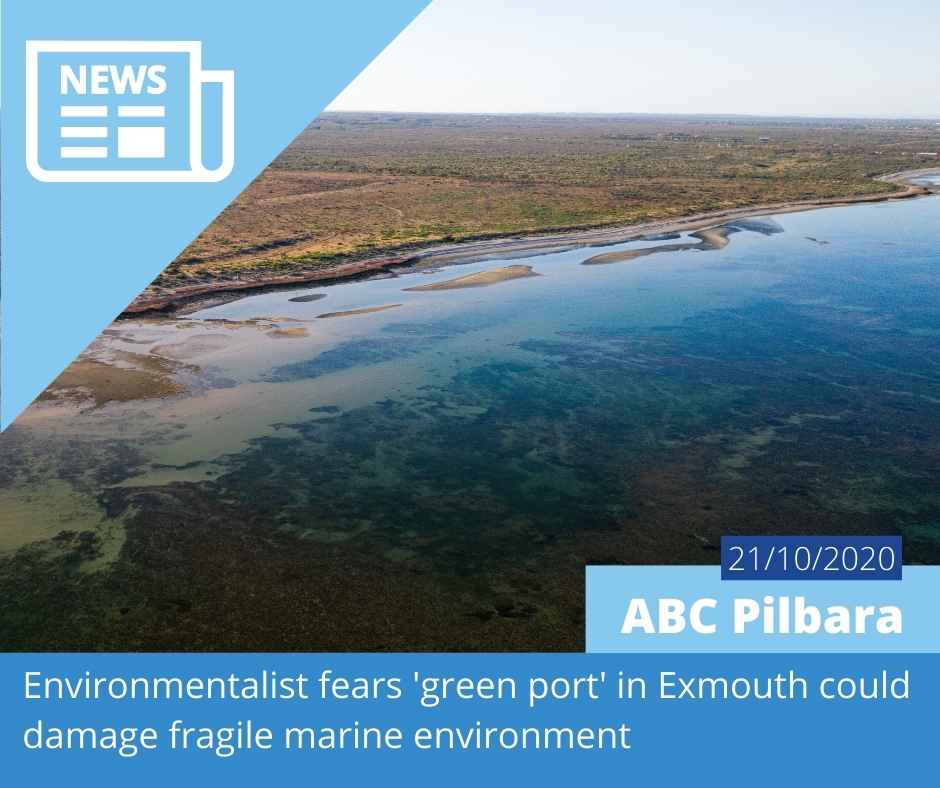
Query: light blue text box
x=610 y=589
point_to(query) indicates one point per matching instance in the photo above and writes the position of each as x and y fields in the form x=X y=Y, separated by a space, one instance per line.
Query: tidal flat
x=437 y=475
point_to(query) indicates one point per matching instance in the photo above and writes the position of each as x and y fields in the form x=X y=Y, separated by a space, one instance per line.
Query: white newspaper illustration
x=125 y=111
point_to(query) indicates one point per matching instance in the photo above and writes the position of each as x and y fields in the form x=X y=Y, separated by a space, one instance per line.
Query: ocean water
x=437 y=474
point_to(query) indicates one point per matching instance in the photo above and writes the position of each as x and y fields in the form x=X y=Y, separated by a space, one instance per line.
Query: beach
x=188 y=298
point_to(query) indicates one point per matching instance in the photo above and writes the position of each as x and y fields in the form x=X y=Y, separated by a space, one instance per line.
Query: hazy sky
x=829 y=57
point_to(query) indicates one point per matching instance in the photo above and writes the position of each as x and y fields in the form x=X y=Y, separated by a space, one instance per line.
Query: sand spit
x=481 y=279
x=364 y=311
x=708 y=240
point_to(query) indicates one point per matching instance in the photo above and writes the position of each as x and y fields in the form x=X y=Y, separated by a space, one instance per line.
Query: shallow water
x=436 y=474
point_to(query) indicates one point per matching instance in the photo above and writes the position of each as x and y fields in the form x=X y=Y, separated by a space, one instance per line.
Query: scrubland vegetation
x=360 y=185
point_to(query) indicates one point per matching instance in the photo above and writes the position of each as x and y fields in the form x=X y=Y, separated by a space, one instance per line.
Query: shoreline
x=189 y=298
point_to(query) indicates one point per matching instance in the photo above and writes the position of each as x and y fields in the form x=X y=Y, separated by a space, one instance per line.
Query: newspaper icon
x=126 y=112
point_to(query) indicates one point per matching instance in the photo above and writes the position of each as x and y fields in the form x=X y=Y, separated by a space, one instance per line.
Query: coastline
x=179 y=301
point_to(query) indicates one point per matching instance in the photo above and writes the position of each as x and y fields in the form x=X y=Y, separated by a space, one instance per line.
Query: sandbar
x=364 y=311
x=288 y=333
x=481 y=279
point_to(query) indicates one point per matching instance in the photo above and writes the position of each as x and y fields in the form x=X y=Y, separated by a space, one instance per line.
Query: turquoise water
x=437 y=474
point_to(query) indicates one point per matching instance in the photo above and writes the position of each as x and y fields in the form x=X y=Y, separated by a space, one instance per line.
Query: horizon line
x=608 y=114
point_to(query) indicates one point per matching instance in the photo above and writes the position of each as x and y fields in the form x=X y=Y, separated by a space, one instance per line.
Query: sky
x=868 y=58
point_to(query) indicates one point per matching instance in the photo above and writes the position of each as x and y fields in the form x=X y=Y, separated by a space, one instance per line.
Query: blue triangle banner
x=127 y=127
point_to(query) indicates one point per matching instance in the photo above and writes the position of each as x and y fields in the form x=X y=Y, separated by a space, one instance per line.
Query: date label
x=811 y=558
